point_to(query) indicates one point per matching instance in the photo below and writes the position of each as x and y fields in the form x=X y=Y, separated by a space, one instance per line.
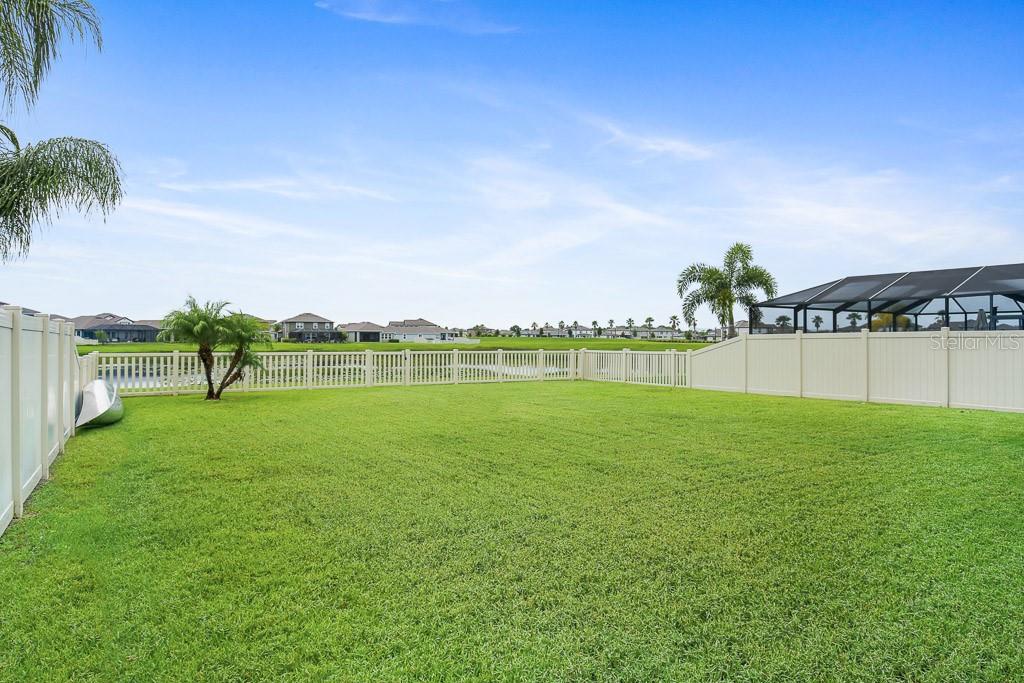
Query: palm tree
x=629 y=324
x=561 y=324
x=199 y=325
x=40 y=180
x=673 y=322
x=648 y=322
x=817 y=321
x=783 y=321
x=533 y=326
x=721 y=289
x=208 y=327
x=854 y=318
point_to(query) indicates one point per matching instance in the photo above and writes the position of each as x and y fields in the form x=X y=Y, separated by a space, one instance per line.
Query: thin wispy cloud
x=457 y=16
x=653 y=145
x=287 y=187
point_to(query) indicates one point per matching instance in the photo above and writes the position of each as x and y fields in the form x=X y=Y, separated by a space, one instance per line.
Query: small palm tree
x=783 y=321
x=208 y=327
x=629 y=323
x=611 y=322
x=721 y=289
x=648 y=322
x=854 y=318
x=817 y=321
x=673 y=322
x=561 y=324
x=533 y=326
x=38 y=181
x=199 y=325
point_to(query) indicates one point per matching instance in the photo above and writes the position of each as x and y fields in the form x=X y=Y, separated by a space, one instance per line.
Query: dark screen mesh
x=856 y=288
x=799 y=297
x=927 y=284
x=1003 y=279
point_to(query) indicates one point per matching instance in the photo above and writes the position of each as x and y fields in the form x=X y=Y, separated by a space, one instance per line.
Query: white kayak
x=99 y=404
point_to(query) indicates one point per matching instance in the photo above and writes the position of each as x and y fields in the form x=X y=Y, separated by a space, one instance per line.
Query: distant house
x=308 y=327
x=416 y=330
x=659 y=333
x=116 y=328
x=581 y=332
x=361 y=332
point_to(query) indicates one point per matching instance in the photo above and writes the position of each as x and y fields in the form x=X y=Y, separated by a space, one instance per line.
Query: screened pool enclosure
x=975 y=298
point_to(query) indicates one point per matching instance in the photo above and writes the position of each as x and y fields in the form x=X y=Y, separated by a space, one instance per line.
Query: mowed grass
x=543 y=531
x=548 y=343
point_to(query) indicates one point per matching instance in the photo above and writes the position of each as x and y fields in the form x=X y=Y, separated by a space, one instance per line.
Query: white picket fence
x=39 y=380
x=958 y=369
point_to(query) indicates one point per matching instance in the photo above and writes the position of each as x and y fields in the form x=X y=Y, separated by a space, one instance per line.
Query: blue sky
x=470 y=161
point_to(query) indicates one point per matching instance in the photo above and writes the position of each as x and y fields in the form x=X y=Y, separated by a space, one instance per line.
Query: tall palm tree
x=649 y=322
x=817 y=321
x=673 y=322
x=629 y=324
x=561 y=324
x=722 y=288
x=854 y=318
x=40 y=180
x=611 y=322
x=783 y=321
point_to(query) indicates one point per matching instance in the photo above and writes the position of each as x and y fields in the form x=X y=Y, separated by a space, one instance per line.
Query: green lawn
x=543 y=531
x=485 y=343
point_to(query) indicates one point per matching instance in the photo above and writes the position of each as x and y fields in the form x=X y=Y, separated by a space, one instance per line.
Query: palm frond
x=737 y=258
x=31 y=32
x=756 y=278
x=40 y=180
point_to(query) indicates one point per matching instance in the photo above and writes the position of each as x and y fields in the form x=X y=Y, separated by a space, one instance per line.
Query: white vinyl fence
x=39 y=380
x=974 y=369
x=957 y=369
x=40 y=376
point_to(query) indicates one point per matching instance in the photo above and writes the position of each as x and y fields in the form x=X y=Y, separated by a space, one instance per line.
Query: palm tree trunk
x=732 y=325
x=206 y=356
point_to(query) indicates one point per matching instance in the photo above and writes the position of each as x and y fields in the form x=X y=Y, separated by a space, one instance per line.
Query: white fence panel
x=986 y=370
x=7 y=470
x=773 y=364
x=904 y=367
x=834 y=366
x=38 y=375
x=722 y=366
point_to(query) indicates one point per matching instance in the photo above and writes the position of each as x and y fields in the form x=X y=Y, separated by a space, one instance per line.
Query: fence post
x=864 y=337
x=175 y=371
x=406 y=367
x=800 y=363
x=368 y=367
x=945 y=367
x=745 y=340
x=625 y=365
x=62 y=370
x=541 y=371
x=674 y=367
x=73 y=354
x=688 y=369
x=581 y=364
x=456 y=374
x=309 y=368
x=44 y=403
x=15 y=313
x=501 y=365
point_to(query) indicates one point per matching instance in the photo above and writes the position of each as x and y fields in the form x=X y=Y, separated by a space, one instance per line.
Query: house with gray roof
x=115 y=328
x=361 y=332
x=417 y=330
x=309 y=327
